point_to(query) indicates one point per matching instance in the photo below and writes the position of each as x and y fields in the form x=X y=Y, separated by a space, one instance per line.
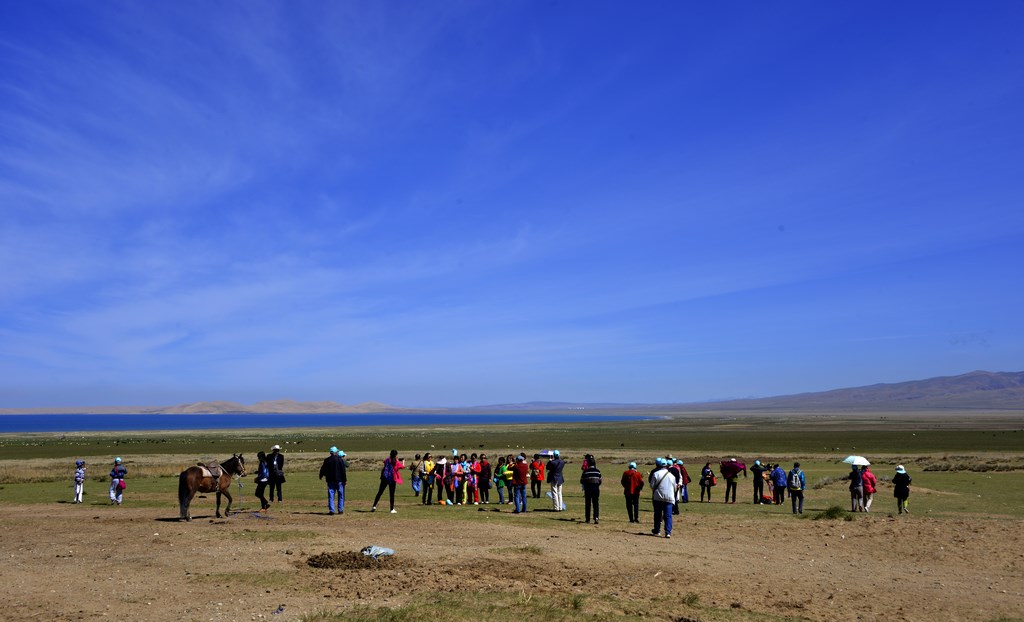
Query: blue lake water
x=130 y=423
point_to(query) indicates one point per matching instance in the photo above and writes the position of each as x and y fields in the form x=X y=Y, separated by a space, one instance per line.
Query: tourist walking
x=856 y=489
x=632 y=483
x=870 y=487
x=778 y=476
x=901 y=489
x=663 y=494
x=707 y=480
x=275 y=463
x=758 y=472
x=731 y=470
x=388 y=481
x=334 y=470
x=520 y=480
x=79 y=480
x=591 y=482
x=117 y=483
x=556 y=480
x=262 y=479
x=797 y=482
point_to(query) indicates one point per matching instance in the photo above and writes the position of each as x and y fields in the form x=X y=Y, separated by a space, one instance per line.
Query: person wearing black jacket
x=334 y=470
x=591 y=481
x=758 y=472
x=275 y=463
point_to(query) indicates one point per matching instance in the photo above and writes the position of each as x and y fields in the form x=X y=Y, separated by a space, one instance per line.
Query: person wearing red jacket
x=632 y=484
x=520 y=479
x=536 y=475
x=870 y=487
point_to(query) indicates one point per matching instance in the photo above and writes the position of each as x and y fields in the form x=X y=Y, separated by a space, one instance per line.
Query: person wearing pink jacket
x=870 y=487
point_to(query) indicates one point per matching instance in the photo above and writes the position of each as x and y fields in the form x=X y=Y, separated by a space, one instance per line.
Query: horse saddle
x=212 y=469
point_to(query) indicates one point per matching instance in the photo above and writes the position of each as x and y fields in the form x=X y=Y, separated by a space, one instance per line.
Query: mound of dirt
x=347 y=560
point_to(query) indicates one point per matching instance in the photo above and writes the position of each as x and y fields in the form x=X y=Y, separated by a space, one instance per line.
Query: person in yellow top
x=427 y=478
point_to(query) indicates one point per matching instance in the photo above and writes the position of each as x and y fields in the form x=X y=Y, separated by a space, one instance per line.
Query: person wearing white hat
x=901 y=489
x=275 y=463
x=334 y=471
x=556 y=479
x=117 y=484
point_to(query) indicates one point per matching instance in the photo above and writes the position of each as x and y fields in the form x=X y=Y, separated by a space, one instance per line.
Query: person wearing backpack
x=901 y=489
x=388 y=475
x=797 y=483
x=591 y=482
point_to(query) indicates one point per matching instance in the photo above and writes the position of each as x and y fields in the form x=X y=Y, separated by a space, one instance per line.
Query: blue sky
x=470 y=203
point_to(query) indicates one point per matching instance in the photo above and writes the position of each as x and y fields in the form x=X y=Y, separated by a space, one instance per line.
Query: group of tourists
x=468 y=480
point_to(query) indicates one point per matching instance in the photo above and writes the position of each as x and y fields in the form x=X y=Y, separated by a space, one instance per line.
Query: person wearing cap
x=758 y=472
x=79 y=480
x=901 y=489
x=663 y=496
x=797 y=482
x=590 y=479
x=117 y=483
x=520 y=480
x=335 y=471
x=556 y=480
x=275 y=463
x=870 y=486
x=632 y=483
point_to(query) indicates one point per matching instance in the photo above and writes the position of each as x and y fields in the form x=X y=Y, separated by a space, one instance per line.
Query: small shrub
x=577 y=601
x=832 y=513
x=691 y=599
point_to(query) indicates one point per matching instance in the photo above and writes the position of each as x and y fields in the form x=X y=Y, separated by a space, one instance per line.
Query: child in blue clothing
x=79 y=480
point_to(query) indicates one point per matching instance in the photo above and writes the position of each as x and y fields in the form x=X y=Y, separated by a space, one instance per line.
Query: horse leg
x=218 y=504
x=227 y=511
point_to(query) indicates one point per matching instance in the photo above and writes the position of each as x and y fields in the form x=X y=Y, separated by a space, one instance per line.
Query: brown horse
x=199 y=479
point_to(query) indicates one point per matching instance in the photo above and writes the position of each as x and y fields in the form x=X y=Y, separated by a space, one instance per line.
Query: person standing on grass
x=758 y=472
x=779 y=479
x=870 y=487
x=856 y=489
x=117 y=483
x=499 y=479
x=591 y=481
x=520 y=480
x=901 y=489
x=632 y=483
x=275 y=463
x=707 y=480
x=663 y=494
x=484 y=480
x=262 y=479
x=427 y=478
x=797 y=482
x=334 y=471
x=415 y=477
x=556 y=479
x=536 y=476
x=79 y=480
x=388 y=475
x=731 y=472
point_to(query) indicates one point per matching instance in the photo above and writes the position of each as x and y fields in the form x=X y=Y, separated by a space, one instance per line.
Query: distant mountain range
x=974 y=390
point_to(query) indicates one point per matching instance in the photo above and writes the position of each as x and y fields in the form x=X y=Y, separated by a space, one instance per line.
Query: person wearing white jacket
x=663 y=491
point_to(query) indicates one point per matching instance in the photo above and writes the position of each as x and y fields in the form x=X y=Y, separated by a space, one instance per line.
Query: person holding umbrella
x=856 y=489
x=731 y=470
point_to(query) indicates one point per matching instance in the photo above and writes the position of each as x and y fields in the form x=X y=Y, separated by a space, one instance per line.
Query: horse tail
x=183 y=492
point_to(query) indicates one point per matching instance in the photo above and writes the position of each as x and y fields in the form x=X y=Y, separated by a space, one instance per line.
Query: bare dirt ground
x=89 y=562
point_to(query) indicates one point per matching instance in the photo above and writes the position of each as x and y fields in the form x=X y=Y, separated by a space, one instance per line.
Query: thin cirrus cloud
x=473 y=204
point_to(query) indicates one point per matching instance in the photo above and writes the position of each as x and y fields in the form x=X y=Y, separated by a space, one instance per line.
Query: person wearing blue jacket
x=117 y=475
x=778 y=476
x=797 y=483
